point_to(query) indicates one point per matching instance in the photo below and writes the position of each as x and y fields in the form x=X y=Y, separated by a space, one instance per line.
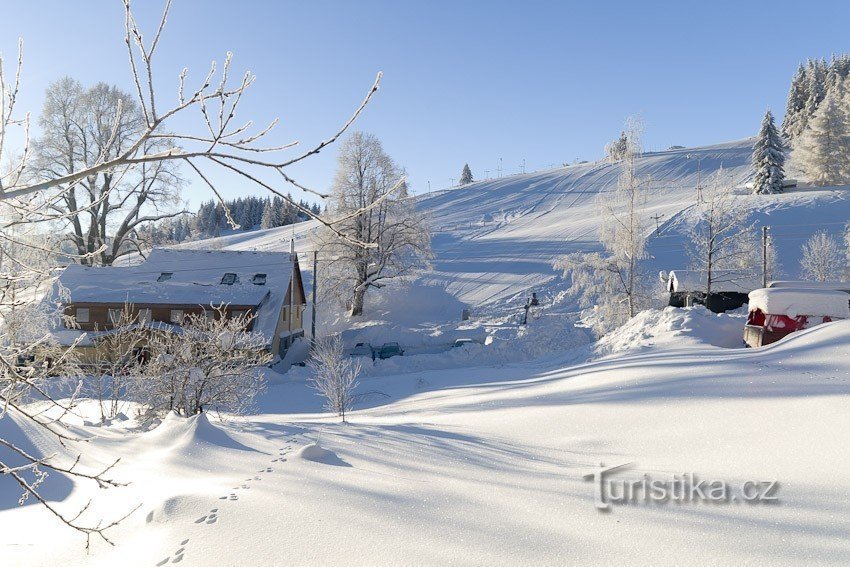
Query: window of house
x=82 y=315
x=145 y=316
x=259 y=279
x=209 y=314
x=176 y=316
x=229 y=278
x=114 y=316
x=164 y=276
x=235 y=313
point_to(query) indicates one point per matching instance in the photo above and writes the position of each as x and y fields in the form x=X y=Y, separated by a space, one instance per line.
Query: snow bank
x=318 y=454
x=674 y=327
x=35 y=440
x=793 y=302
x=192 y=436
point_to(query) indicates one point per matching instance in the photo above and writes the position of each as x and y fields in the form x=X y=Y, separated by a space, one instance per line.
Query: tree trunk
x=357 y=302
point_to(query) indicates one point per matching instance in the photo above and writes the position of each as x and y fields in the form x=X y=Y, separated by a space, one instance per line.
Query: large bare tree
x=370 y=199
x=723 y=243
x=103 y=209
x=33 y=202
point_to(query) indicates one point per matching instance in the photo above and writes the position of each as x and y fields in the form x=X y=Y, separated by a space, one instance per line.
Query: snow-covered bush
x=823 y=259
x=120 y=359
x=335 y=374
x=211 y=363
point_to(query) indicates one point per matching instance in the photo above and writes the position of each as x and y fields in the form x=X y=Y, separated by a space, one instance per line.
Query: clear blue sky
x=547 y=82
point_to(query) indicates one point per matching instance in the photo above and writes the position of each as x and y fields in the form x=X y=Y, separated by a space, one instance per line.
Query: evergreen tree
x=822 y=152
x=793 y=123
x=466 y=175
x=768 y=158
x=268 y=220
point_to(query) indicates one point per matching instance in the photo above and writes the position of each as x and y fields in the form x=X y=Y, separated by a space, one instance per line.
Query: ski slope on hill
x=494 y=241
x=497 y=238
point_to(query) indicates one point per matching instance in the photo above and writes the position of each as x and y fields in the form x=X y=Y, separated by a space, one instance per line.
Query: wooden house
x=174 y=283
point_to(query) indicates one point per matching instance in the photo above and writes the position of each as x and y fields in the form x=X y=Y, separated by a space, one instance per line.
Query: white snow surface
x=480 y=466
x=674 y=328
x=476 y=455
x=793 y=302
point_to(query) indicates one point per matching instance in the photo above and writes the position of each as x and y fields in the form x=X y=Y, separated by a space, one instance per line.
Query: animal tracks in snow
x=176 y=557
x=211 y=517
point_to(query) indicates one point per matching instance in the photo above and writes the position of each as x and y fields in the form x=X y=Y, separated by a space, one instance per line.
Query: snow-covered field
x=485 y=466
x=476 y=455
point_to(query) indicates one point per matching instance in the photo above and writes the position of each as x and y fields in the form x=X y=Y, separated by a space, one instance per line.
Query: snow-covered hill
x=495 y=240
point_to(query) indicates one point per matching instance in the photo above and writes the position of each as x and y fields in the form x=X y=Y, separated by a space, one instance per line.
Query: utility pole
x=500 y=168
x=293 y=258
x=657 y=217
x=313 y=311
x=452 y=179
x=429 y=187
x=486 y=174
x=764 y=256
x=523 y=165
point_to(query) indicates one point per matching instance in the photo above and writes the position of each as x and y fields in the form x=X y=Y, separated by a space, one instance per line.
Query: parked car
x=779 y=311
x=462 y=342
x=363 y=349
x=389 y=350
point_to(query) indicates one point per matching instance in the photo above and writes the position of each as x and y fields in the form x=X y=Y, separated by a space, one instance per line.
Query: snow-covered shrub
x=211 y=363
x=823 y=259
x=335 y=374
x=119 y=361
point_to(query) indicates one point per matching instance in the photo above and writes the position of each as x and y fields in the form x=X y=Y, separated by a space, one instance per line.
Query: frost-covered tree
x=823 y=259
x=822 y=151
x=334 y=374
x=847 y=247
x=466 y=175
x=79 y=129
x=213 y=363
x=768 y=158
x=618 y=149
x=723 y=245
x=369 y=201
x=795 y=120
x=611 y=280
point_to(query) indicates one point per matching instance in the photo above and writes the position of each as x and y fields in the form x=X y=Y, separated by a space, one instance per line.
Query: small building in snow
x=172 y=284
x=687 y=288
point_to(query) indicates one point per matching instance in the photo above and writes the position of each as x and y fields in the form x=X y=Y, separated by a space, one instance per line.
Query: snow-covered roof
x=837 y=286
x=694 y=280
x=190 y=278
x=800 y=301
